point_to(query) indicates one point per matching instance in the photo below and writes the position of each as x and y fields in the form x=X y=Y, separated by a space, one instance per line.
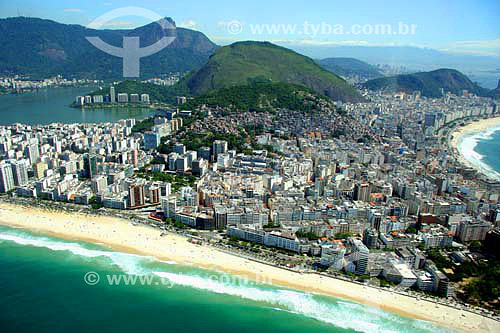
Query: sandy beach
x=121 y=235
x=473 y=128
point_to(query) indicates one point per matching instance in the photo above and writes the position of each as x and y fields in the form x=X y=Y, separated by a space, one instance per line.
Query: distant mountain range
x=481 y=68
x=495 y=93
x=349 y=67
x=429 y=83
x=245 y=63
x=41 y=48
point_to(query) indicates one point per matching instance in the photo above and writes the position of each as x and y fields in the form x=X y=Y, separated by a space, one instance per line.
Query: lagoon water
x=51 y=105
x=42 y=289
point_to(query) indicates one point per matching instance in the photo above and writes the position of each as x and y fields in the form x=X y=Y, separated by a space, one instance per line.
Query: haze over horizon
x=454 y=26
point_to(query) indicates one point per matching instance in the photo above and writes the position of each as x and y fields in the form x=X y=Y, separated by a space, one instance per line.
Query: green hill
x=260 y=96
x=350 y=67
x=41 y=48
x=245 y=62
x=428 y=83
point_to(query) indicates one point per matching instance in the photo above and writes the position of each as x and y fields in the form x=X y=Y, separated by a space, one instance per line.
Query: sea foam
x=342 y=314
x=128 y=263
x=467 y=148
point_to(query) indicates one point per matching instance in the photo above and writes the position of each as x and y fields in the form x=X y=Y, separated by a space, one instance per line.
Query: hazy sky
x=459 y=26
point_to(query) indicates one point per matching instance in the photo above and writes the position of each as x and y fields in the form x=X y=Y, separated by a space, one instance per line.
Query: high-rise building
x=134 y=98
x=199 y=167
x=32 y=153
x=135 y=157
x=169 y=206
x=136 y=195
x=362 y=192
x=151 y=140
x=181 y=164
x=122 y=98
x=191 y=156
x=188 y=197
x=39 y=169
x=332 y=255
x=370 y=238
x=181 y=100
x=430 y=120
x=179 y=148
x=172 y=158
x=20 y=172
x=145 y=98
x=97 y=99
x=154 y=194
x=99 y=184
x=204 y=152
x=90 y=165
x=360 y=255
x=6 y=177
x=219 y=147
x=165 y=189
x=112 y=94
x=469 y=230
x=376 y=221
x=130 y=122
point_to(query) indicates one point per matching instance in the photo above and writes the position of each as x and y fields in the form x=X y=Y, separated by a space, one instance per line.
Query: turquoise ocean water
x=42 y=289
x=483 y=150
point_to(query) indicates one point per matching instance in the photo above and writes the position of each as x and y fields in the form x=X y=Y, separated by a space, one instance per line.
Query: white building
x=20 y=171
x=99 y=184
x=122 y=98
x=332 y=256
x=6 y=177
x=169 y=206
x=219 y=147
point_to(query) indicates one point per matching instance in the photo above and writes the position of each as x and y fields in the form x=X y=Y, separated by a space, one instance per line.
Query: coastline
x=458 y=134
x=121 y=235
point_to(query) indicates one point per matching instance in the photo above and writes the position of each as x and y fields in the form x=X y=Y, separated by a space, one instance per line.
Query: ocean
x=44 y=287
x=51 y=105
x=483 y=150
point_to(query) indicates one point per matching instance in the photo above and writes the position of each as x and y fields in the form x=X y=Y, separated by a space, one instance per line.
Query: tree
x=411 y=231
x=94 y=204
x=309 y=235
x=343 y=235
x=476 y=245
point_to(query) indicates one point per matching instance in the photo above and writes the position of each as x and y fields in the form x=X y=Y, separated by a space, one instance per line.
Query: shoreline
x=457 y=135
x=120 y=235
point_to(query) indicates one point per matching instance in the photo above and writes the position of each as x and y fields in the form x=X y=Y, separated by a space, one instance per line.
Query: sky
x=458 y=26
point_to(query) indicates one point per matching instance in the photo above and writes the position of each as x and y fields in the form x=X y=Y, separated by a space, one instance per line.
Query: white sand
x=473 y=128
x=123 y=236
